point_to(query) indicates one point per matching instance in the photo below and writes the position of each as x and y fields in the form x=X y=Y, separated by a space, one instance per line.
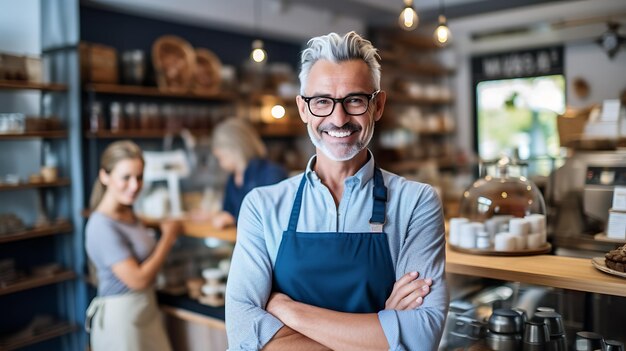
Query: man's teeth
x=338 y=134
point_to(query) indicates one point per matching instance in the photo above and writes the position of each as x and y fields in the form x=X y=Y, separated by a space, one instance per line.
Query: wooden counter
x=199 y=229
x=548 y=270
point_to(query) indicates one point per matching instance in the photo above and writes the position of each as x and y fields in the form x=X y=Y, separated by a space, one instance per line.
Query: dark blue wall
x=126 y=32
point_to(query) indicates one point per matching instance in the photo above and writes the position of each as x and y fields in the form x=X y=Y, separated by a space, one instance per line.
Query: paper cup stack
x=499 y=233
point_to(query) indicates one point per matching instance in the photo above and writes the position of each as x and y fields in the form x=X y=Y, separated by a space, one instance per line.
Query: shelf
x=59 y=228
x=137 y=90
x=405 y=99
x=417 y=69
x=20 y=186
x=56 y=330
x=35 y=282
x=44 y=134
x=547 y=270
x=415 y=165
x=24 y=85
x=139 y=134
x=281 y=129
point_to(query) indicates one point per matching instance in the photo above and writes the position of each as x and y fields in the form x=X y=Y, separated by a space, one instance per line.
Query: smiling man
x=331 y=259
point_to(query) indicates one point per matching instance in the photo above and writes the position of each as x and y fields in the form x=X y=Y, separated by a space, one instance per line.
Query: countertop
x=548 y=270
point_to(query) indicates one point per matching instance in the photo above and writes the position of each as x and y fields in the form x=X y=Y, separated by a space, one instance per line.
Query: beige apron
x=127 y=322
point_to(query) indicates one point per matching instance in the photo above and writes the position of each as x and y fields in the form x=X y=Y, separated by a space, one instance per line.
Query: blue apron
x=346 y=272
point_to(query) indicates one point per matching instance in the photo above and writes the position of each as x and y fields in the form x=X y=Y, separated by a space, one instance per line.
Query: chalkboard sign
x=518 y=64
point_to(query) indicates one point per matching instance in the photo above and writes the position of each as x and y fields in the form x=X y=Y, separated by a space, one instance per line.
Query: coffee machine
x=579 y=196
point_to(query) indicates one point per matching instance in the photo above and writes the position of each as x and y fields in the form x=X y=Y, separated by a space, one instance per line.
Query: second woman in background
x=241 y=152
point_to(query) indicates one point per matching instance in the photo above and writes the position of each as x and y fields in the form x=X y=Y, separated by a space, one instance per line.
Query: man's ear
x=302 y=109
x=380 y=100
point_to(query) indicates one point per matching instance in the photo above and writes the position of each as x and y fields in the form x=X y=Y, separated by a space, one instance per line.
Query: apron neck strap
x=379 y=206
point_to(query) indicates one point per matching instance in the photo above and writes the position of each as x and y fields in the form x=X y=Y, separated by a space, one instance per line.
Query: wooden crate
x=98 y=63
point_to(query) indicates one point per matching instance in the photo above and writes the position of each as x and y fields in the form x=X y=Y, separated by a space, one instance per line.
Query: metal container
x=552 y=320
x=588 y=341
x=505 y=321
x=536 y=336
x=503 y=342
x=613 y=345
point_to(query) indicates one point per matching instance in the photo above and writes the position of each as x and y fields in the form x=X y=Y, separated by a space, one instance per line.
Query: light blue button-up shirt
x=415 y=231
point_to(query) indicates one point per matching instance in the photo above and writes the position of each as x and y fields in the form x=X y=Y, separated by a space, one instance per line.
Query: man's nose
x=339 y=117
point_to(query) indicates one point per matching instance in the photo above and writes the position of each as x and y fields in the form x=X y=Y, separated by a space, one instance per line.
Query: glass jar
x=503 y=212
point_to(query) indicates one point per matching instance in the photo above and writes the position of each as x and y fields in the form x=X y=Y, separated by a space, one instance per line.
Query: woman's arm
x=140 y=276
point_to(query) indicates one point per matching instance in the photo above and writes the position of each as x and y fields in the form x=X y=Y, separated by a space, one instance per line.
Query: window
x=517 y=117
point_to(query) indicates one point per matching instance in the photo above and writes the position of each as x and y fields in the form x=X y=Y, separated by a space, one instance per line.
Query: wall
x=276 y=18
x=545 y=26
x=606 y=77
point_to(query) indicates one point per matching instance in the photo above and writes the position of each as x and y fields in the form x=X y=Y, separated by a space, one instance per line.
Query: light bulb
x=408 y=19
x=442 y=33
x=278 y=111
x=258 y=54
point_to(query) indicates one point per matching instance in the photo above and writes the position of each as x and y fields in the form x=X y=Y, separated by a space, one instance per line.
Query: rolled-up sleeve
x=423 y=250
x=248 y=325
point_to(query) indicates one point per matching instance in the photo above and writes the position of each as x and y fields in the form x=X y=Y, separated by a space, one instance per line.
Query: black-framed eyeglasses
x=353 y=104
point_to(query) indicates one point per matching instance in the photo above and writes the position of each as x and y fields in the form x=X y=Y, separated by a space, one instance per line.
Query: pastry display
x=616 y=259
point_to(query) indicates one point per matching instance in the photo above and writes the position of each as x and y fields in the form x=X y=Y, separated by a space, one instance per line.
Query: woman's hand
x=222 y=220
x=408 y=292
x=170 y=230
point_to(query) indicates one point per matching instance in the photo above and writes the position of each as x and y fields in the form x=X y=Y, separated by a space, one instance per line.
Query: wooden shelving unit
x=24 y=85
x=137 y=90
x=59 y=228
x=56 y=330
x=138 y=134
x=35 y=282
x=281 y=129
x=43 y=134
x=414 y=165
x=21 y=186
x=405 y=99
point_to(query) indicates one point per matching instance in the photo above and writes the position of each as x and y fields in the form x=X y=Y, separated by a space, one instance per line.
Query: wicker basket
x=175 y=64
x=208 y=76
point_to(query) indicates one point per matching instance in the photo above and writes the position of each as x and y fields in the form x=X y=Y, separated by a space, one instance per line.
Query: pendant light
x=408 y=19
x=258 y=54
x=442 y=35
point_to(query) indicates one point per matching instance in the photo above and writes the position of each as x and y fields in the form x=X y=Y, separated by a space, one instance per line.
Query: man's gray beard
x=355 y=149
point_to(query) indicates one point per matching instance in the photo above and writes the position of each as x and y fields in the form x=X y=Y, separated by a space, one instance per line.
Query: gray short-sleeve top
x=109 y=241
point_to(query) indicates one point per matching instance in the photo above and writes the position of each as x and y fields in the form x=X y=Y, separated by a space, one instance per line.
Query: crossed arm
x=310 y=328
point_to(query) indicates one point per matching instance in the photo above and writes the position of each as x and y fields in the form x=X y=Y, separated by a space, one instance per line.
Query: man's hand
x=408 y=292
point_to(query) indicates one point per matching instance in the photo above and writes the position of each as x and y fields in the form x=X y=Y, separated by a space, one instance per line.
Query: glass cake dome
x=503 y=212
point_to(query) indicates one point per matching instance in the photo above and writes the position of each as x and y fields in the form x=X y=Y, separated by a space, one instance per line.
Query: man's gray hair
x=334 y=48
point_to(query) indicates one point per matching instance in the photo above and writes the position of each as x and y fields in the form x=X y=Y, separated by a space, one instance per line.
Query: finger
x=401 y=293
x=414 y=299
x=409 y=277
x=407 y=289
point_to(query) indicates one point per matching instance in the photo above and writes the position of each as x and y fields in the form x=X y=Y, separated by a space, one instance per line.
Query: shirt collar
x=362 y=176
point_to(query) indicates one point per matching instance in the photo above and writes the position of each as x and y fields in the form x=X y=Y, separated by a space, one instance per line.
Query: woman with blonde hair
x=124 y=315
x=241 y=152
